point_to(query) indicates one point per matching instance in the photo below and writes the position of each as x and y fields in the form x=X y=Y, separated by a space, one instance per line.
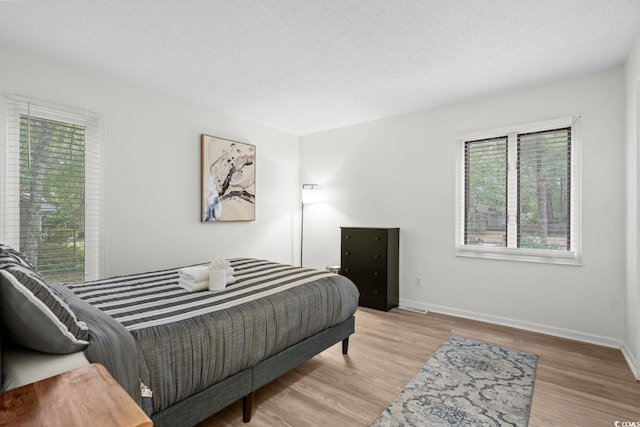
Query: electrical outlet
x=418 y=281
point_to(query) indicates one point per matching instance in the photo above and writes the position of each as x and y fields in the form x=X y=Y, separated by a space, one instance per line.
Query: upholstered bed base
x=200 y=406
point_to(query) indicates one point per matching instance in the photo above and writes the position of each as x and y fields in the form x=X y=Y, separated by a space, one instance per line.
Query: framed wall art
x=228 y=180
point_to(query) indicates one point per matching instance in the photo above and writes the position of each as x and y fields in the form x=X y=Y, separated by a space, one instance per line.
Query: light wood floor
x=577 y=384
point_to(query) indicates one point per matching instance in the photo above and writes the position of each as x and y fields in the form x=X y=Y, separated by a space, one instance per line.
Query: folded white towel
x=230 y=279
x=196 y=273
x=230 y=271
x=194 y=286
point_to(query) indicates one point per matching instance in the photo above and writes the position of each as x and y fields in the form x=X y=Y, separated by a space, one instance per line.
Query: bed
x=183 y=356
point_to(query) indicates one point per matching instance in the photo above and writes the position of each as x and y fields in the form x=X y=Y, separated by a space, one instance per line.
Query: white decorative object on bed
x=218 y=274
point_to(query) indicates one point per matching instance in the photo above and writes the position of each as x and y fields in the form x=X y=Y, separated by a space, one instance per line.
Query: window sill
x=522 y=255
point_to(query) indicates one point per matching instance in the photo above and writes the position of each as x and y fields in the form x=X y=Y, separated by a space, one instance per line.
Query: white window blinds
x=485 y=165
x=51 y=187
x=544 y=190
x=518 y=193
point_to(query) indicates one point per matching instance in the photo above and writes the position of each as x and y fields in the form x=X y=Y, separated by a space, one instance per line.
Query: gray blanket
x=110 y=343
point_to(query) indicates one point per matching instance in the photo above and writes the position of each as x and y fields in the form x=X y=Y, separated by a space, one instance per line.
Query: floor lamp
x=304 y=199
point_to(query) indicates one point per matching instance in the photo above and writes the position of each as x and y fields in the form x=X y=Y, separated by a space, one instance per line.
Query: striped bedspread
x=189 y=341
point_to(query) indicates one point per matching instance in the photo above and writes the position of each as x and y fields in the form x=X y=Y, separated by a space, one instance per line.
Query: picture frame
x=228 y=180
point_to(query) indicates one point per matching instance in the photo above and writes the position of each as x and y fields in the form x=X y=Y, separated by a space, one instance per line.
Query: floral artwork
x=228 y=180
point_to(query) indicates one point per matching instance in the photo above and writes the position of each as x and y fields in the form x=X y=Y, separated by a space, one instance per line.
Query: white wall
x=152 y=170
x=631 y=347
x=401 y=172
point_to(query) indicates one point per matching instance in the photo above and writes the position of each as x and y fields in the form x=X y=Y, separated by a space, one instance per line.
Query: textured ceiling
x=308 y=65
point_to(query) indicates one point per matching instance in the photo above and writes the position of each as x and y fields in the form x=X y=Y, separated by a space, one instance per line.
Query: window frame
x=12 y=106
x=511 y=252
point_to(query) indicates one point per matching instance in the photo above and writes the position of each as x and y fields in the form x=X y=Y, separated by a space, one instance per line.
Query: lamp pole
x=306 y=187
x=301 y=229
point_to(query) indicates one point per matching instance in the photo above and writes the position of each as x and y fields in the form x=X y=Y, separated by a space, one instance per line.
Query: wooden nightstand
x=80 y=397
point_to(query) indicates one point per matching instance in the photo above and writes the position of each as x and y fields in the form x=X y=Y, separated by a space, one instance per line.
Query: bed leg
x=345 y=345
x=247 y=403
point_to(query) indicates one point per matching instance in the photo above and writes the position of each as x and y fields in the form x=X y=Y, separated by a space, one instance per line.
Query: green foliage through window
x=486 y=192
x=543 y=189
x=52 y=197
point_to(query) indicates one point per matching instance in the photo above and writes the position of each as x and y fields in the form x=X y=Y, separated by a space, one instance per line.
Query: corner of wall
x=630 y=361
x=631 y=337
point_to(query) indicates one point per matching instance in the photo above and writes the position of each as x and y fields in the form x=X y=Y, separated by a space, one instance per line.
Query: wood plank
x=81 y=397
x=576 y=383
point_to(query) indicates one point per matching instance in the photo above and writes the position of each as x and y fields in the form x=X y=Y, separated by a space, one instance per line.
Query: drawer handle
x=346 y=270
x=375 y=291
x=346 y=252
x=376 y=256
x=347 y=237
x=377 y=238
x=376 y=274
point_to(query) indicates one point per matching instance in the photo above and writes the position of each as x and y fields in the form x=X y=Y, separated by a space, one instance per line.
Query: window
x=50 y=193
x=518 y=193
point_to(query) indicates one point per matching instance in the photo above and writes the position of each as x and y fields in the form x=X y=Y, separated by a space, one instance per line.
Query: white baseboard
x=529 y=326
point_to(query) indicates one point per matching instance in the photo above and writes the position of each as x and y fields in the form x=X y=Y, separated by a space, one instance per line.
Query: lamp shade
x=311 y=194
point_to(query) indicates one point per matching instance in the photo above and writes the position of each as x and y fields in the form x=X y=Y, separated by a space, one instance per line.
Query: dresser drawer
x=364 y=237
x=360 y=273
x=371 y=234
x=365 y=256
x=364 y=246
x=372 y=288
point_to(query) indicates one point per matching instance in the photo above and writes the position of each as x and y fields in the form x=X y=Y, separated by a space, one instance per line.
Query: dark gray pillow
x=34 y=316
x=9 y=257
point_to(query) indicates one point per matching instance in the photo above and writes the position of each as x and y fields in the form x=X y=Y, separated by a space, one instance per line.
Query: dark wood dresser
x=370 y=259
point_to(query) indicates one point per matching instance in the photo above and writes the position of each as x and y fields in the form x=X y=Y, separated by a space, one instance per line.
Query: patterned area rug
x=466 y=383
